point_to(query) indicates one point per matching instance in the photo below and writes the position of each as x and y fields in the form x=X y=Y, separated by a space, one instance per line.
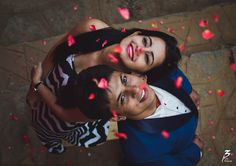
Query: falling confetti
x=75 y=7
x=165 y=134
x=178 y=82
x=124 y=12
x=117 y=49
x=207 y=34
x=171 y=30
x=25 y=139
x=70 y=40
x=44 y=42
x=220 y=92
x=215 y=18
x=112 y=58
x=213 y=137
x=233 y=66
x=13 y=117
x=210 y=92
x=103 y=84
x=123 y=30
x=114 y=114
x=182 y=47
x=92 y=27
x=121 y=135
x=203 y=23
x=104 y=43
x=91 y=96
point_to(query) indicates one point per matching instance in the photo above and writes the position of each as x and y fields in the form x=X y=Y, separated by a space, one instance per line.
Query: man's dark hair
x=86 y=95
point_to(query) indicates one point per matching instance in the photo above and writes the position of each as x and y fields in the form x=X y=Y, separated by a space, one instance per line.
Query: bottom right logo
x=226 y=157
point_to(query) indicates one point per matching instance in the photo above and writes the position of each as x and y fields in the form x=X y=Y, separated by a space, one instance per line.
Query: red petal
x=165 y=134
x=203 y=23
x=103 y=84
x=117 y=49
x=182 y=47
x=91 y=96
x=13 y=117
x=220 y=92
x=123 y=30
x=124 y=12
x=70 y=40
x=25 y=139
x=233 y=66
x=104 y=43
x=207 y=34
x=178 y=82
x=215 y=18
x=112 y=58
x=121 y=135
x=92 y=27
x=114 y=114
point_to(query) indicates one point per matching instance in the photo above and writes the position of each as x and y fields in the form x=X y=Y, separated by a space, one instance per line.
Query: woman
x=134 y=50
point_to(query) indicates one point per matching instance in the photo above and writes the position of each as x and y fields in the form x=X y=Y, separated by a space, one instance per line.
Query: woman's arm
x=69 y=115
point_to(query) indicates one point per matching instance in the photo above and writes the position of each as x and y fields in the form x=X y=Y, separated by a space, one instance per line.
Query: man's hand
x=198 y=141
x=196 y=98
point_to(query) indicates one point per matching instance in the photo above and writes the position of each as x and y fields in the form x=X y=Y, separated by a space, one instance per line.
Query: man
x=160 y=119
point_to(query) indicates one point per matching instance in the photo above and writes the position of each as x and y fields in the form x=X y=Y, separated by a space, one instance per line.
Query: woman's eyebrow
x=150 y=40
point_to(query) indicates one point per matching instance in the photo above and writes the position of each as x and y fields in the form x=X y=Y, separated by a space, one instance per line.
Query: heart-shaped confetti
x=207 y=34
x=165 y=134
x=102 y=83
x=124 y=12
x=70 y=40
x=203 y=23
x=178 y=82
x=121 y=135
x=112 y=58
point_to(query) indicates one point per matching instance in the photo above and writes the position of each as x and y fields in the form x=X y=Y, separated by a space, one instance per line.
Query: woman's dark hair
x=86 y=95
x=99 y=39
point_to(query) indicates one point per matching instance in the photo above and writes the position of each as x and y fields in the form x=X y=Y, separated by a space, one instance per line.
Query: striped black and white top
x=51 y=130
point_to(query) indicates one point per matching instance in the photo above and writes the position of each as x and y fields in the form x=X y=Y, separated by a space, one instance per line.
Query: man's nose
x=132 y=90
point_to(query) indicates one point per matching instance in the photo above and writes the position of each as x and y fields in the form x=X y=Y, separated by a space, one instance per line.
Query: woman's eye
x=145 y=42
x=124 y=80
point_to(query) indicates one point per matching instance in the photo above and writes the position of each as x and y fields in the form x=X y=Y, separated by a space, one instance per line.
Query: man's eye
x=122 y=99
x=145 y=41
x=124 y=80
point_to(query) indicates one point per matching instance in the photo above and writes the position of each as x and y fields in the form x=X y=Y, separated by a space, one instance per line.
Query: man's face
x=130 y=96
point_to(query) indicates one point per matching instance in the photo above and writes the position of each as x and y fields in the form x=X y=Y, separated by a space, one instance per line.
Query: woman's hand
x=36 y=73
x=196 y=98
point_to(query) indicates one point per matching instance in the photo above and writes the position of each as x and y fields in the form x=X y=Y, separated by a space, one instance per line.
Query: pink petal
x=213 y=137
x=123 y=30
x=103 y=84
x=75 y=7
x=117 y=49
x=215 y=18
x=25 y=139
x=104 y=43
x=203 y=23
x=112 y=58
x=210 y=92
x=121 y=135
x=178 y=82
x=207 y=34
x=220 y=92
x=70 y=40
x=98 y=39
x=161 y=22
x=171 y=30
x=92 y=27
x=44 y=42
x=140 y=21
x=165 y=134
x=182 y=47
x=91 y=96
x=124 y=12
x=233 y=66
x=211 y=122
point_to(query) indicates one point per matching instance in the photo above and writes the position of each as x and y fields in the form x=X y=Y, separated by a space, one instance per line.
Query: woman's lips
x=130 y=50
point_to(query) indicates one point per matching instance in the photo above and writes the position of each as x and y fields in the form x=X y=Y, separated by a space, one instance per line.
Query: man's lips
x=130 y=50
x=144 y=95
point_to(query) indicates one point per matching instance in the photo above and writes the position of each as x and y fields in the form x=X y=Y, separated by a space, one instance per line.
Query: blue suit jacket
x=145 y=145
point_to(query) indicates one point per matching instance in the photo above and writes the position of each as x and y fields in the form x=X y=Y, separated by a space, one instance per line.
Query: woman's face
x=142 y=53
